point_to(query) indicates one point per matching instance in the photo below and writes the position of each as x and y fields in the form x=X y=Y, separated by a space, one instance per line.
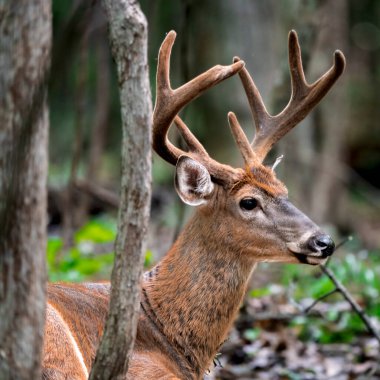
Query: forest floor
x=268 y=343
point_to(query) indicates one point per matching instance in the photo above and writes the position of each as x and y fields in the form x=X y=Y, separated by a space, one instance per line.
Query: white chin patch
x=294 y=247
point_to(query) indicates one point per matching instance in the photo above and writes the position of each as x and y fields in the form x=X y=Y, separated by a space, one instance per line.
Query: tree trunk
x=25 y=35
x=103 y=103
x=128 y=37
x=74 y=214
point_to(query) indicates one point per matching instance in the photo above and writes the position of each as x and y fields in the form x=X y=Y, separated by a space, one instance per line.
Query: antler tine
x=169 y=102
x=259 y=112
x=241 y=139
x=191 y=141
x=304 y=96
x=297 y=75
x=161 y=143
x=219 y=172
x=270 y=129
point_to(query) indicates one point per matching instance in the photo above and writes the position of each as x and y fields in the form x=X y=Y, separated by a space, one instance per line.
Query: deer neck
x=195 y=292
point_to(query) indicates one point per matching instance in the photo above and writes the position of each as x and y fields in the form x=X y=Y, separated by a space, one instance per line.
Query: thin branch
x=307 y=309
x=98 y=193
x=343 y=242
x=278 y=316
x=355 y=306
x=339 y=245
x=339 y=287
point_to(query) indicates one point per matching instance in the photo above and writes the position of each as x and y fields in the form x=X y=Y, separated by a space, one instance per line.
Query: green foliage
x=251 y=334
x=268 y=290
x=336 y=327
x=149 y=259
x=97 y=231
x=90 y=258
x=76 y=264
x=360 y=273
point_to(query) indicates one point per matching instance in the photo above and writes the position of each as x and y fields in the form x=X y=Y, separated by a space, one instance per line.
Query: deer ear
x=192 y=181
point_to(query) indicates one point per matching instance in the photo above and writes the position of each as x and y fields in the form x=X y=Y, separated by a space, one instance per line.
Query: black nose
x=322 y=243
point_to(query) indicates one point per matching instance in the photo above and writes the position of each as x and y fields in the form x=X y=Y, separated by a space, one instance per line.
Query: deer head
x=248 y=208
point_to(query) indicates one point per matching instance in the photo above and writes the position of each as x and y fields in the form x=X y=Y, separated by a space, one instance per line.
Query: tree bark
x=25 y=35
x=103 y=103
x=128 y=38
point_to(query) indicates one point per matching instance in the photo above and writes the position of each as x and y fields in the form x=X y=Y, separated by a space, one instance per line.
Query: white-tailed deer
x=190 y=299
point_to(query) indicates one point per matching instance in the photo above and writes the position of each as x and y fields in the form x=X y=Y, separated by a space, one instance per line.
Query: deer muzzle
x=322 y=244
x=313 y=250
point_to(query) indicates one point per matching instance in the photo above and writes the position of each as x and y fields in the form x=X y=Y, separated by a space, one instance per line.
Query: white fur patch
x=295 y=246
x=278 y=160
x=58 y=317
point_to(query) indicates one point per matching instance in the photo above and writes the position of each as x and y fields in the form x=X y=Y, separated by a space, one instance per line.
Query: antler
x=270 y=129
x=170 y=101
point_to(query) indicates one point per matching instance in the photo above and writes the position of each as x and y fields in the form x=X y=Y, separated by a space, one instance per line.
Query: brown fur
x=263 y=178
x=189 y=300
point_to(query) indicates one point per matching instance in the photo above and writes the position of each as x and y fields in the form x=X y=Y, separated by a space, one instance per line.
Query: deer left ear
x=192 y=181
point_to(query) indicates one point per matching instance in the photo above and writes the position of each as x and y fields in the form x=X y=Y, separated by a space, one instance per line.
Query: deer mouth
x=314 y=250
x=311 y=259
x=307 y=256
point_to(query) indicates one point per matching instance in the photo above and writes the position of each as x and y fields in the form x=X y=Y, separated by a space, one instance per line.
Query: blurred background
x=332 y=160
x=331 y=164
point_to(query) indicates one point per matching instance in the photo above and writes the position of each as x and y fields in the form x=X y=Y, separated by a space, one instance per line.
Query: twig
x=339 y=287
x=355 y=306
x=216 y=360
x=101 y=194
x=339 y=245
x=279 y=316
x=307 y=309
x=343 y=242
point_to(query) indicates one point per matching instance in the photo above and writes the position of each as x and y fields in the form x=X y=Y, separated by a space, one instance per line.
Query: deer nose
x=322 y=243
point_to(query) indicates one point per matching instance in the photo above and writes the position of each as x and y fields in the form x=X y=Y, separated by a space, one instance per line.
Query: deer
x=242 y=216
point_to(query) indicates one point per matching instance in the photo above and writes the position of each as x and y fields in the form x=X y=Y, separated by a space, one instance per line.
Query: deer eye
x=248 y=204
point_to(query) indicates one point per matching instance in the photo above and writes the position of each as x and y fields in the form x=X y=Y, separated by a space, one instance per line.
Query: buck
x=189 y=300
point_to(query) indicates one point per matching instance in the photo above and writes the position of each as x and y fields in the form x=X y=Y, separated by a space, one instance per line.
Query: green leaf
x=259 y=292
x=320 y=287
x=149 y=259
x=54 y=246
x=88 y=266
x=251 y=334
x=332 y=315
x=96 y=231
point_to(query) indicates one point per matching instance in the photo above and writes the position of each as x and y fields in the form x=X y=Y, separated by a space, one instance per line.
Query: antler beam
x=270 y=129
x=170 y=101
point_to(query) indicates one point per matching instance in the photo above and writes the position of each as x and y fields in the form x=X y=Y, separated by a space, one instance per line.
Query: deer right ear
x=192 y=181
